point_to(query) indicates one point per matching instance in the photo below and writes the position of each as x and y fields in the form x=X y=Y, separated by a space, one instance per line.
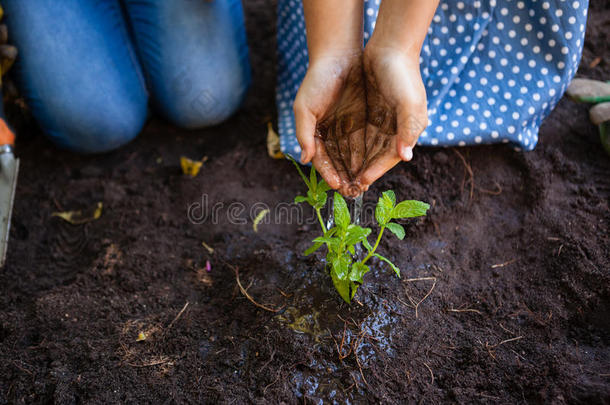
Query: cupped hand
x=330 y=114
x=396 y=110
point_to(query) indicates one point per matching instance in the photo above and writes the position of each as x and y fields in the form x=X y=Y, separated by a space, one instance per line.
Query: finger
x=325 y=167
x=380 y=165
x=306 y=128
x=331 y=146
x=342 y=138
x=357 y=150
x=410 y=126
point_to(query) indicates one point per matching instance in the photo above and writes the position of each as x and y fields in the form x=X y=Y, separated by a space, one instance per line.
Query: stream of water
x=355 y=205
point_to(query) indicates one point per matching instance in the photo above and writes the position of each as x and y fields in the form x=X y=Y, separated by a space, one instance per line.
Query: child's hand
x=396 y=109
x=330 y=112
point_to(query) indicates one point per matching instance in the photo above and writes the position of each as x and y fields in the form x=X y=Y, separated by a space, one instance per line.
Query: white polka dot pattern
x=493 y=70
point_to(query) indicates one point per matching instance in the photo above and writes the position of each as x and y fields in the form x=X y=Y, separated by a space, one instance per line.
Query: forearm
x=403 y=25
x=334 y=27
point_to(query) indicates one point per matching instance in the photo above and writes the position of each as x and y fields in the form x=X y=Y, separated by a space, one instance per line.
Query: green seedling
x=346 y=270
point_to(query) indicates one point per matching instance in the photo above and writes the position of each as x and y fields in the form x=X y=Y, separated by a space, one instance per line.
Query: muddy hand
x=396 y=111
x=330 y=118
x=341 y=132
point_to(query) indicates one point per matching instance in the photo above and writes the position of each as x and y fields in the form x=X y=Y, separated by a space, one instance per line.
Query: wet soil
x=513 y=262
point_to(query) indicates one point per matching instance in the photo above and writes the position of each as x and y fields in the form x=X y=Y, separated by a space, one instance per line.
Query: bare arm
x=403 y=25
x=333 y=27
x=396 y=96
x=334 y=39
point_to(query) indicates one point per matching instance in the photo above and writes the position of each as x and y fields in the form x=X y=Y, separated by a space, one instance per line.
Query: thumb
x=306 y=128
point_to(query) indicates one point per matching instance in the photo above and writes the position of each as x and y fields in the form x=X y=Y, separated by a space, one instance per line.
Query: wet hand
x=396 y=110
x=330 y=113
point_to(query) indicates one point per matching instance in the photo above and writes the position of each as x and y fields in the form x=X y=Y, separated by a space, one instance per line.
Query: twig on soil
x=468 y=169
x=559 y=250
x=415 y=305
x=490 y=192
x=340 y=347
x=177 y=317
x=431 y=373
x=244 y=291
x=162 y=360
x=496 y=266
x=491 y=347
x=25 y=370
x=476 y=311
x=355 y=350
x=284 y=294
x=279 y=371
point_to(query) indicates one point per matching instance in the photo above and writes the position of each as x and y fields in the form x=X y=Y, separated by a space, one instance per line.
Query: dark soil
x=519 y=312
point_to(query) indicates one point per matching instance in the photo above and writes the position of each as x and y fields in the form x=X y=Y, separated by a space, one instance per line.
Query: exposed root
x=431 y=373
x=279 y=371
x=470 y=173
x=490 y=348
x=498 y=190
x=177 y=317
x=161 y=361
x=245 y=293
x=415 y=305
x=340 y=347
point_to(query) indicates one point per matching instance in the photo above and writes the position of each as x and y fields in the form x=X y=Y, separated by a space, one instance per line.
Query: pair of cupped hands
x=358 y=113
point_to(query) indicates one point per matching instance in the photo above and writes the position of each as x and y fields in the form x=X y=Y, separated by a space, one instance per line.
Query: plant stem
x=374 y=247
x=321 y=221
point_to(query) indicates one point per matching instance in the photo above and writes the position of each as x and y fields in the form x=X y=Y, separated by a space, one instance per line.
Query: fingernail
x=303 y=155
x=407 y=153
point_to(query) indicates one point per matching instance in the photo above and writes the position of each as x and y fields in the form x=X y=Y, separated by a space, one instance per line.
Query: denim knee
x=198 y=102
x=195 y=57
x=90 y=126
x=78 y=71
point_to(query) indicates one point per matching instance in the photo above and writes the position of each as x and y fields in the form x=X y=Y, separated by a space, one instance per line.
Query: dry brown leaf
x=81 y=216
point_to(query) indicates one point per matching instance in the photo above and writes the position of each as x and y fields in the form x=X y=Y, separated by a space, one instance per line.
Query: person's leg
x=78 y=72
x=194 y=55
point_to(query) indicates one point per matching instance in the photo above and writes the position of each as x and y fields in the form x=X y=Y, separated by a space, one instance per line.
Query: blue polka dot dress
x=493 y=70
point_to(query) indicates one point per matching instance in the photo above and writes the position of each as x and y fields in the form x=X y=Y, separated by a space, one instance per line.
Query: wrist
x=336 y=53
x=380 y=43
x=340 y=58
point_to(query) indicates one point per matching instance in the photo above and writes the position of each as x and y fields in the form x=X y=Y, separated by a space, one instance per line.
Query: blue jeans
x=88 y=67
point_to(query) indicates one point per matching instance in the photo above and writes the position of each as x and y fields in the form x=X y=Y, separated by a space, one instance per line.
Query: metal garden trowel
x=9 y=169
x=9 y=166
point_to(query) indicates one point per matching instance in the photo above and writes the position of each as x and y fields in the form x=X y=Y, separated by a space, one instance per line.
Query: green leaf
x=358 y=271
x=313 y=178
x=383 y=212
x=367 y=245
x=356 y=234
x=323 y=186
x=324 y=239
x=354 y=289
x=396 y=229
x=410 y=209
x=331 y=231
x=342 y=287
x=320 y=200
x=351 y=249
x=340 y=266
x=390 y=197
x=392 y=265
x=299 y=199
x=313 y=248
x=342 y=217
x=299 y=170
